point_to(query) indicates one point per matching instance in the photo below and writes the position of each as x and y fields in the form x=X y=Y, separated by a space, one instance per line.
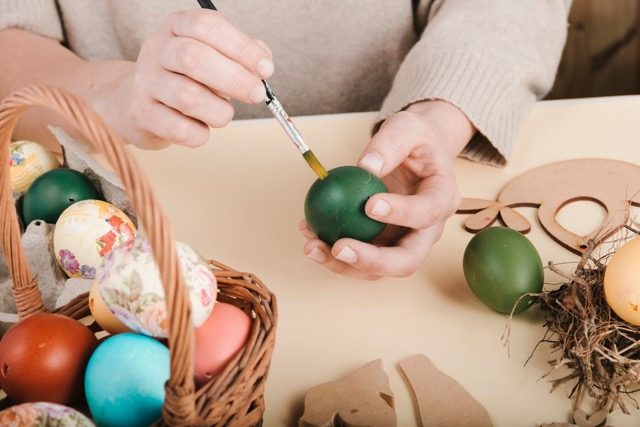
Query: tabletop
x=239 y=198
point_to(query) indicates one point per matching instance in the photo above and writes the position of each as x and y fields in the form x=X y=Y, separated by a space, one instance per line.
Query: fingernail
x=265 y=68
x=347 y=255
x=259 y=94
x=317 y=255
x=372 y=162
x=380 y=208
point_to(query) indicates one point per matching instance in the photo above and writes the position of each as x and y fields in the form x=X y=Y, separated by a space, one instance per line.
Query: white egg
x=85 y=232
x=130 y=285
x=27 y=161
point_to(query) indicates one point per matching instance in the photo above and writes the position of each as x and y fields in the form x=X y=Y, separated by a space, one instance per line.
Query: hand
x=183 y=79
x=413 y=153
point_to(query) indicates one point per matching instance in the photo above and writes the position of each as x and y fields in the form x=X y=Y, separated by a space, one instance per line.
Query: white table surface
x=239 y=199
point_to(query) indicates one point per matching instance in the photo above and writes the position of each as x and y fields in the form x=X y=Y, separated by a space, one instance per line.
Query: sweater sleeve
x=491 y=58
x=38 y=16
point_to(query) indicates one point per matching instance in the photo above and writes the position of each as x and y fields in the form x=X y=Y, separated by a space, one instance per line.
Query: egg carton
x=37 y=238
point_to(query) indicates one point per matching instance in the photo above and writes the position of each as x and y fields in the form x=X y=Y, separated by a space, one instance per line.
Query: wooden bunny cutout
x=613 y=184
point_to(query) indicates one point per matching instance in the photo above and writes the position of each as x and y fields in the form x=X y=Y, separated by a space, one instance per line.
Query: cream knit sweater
x=491 y=58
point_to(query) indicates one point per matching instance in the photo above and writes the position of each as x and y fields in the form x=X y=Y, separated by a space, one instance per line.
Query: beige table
x=239 y=200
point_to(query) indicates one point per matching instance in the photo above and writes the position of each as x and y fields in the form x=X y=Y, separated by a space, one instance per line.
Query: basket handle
x=179 y=406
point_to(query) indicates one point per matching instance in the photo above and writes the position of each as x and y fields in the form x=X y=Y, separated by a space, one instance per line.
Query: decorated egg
x=124 y=382
x=54 y=191
x=622 y=284
x=219 y=339
x=85 y=232
x=334 y=206
x=130 y=285
x=43 y=358
x=501 y=265
x=43 y=414
x=102 y=314
x=27 y=161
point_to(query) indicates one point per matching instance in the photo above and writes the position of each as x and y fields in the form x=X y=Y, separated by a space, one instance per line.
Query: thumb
x=391 y=145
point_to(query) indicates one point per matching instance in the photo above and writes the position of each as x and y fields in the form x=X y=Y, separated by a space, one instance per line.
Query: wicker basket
x=235 y=396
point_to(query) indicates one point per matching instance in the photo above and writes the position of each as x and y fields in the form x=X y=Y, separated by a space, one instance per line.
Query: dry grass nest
x=597 y=352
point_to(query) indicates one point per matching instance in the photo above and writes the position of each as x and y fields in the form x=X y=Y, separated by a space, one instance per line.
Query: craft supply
x=622 y=282
x=219 y=339
x=27 y=161
x=54 y=191
x=124 y=382
x=43 y=357
x=441 y=400
x=613 y=184
x=362 y=398
x=85 y=232
x=130 y=285
x=102 y=314
x=43 y=414
x=284 y=120
x=334 y=207
x=501 y=266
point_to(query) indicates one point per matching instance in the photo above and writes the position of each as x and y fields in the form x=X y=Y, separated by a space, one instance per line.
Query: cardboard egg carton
x=37 y=239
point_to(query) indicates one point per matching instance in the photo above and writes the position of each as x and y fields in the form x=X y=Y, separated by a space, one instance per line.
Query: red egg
x=219 y=339
x=43 y=358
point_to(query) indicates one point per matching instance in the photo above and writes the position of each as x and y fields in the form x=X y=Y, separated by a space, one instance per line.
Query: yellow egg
x=102 y=314
x=622 y=282
x=27 y=161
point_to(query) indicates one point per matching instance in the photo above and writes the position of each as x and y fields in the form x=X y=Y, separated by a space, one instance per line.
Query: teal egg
x=500 y=266
x=334 y=206
x=124 y=381
x=54 y=191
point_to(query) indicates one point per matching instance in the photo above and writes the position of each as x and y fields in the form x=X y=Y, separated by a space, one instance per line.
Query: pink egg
x=219 y=339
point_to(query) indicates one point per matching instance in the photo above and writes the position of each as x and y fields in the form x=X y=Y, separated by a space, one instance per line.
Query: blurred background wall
x=602 y=55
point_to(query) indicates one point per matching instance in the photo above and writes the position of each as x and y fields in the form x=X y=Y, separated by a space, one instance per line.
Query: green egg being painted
x=334 y=206
x=53 y=192
x=500 y=266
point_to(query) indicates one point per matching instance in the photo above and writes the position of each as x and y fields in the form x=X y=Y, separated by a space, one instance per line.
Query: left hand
x=413 y=154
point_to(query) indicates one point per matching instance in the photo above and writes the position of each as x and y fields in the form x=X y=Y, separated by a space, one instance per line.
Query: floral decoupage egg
x=85 y=232
x=27 y=161
x=43 y=414
x=130 y=284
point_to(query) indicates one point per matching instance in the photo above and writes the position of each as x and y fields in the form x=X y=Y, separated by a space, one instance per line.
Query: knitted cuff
x=493 y=99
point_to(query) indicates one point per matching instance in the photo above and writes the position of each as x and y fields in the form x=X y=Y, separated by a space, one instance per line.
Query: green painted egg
x=334 y=206
x=53 y=192
x=500 y=266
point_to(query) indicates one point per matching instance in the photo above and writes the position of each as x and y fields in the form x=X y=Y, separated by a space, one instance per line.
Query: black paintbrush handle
x=207 y=4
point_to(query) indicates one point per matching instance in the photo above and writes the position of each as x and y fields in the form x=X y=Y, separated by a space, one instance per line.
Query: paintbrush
x=285 y=121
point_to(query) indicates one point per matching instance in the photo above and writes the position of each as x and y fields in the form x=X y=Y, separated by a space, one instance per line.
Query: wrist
x=452 y=124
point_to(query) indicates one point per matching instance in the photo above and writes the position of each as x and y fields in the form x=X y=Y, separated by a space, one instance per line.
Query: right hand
x=183 y=80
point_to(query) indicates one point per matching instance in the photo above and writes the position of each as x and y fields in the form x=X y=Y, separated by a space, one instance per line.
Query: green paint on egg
x=53 y=192
x=334 y=206
x=500 y=266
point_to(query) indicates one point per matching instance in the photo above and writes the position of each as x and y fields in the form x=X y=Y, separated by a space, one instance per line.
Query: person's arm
x=478 y=66
x=29 y=58
x=180 y=85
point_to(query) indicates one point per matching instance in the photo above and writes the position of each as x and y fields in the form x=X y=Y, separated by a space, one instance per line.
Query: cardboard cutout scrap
x=362 y=398
x=441 y=400
x=613 y=184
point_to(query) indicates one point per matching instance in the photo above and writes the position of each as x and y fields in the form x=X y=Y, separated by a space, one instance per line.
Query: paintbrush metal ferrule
x=292 y=131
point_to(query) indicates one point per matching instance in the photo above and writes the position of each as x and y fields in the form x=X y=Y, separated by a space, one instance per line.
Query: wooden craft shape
x=362 y=398
x=613 y=184
x=441 y=400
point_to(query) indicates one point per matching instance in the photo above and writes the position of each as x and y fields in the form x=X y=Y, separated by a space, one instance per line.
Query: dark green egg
x=500 y=266
x=334 y=206
x=53 y=192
